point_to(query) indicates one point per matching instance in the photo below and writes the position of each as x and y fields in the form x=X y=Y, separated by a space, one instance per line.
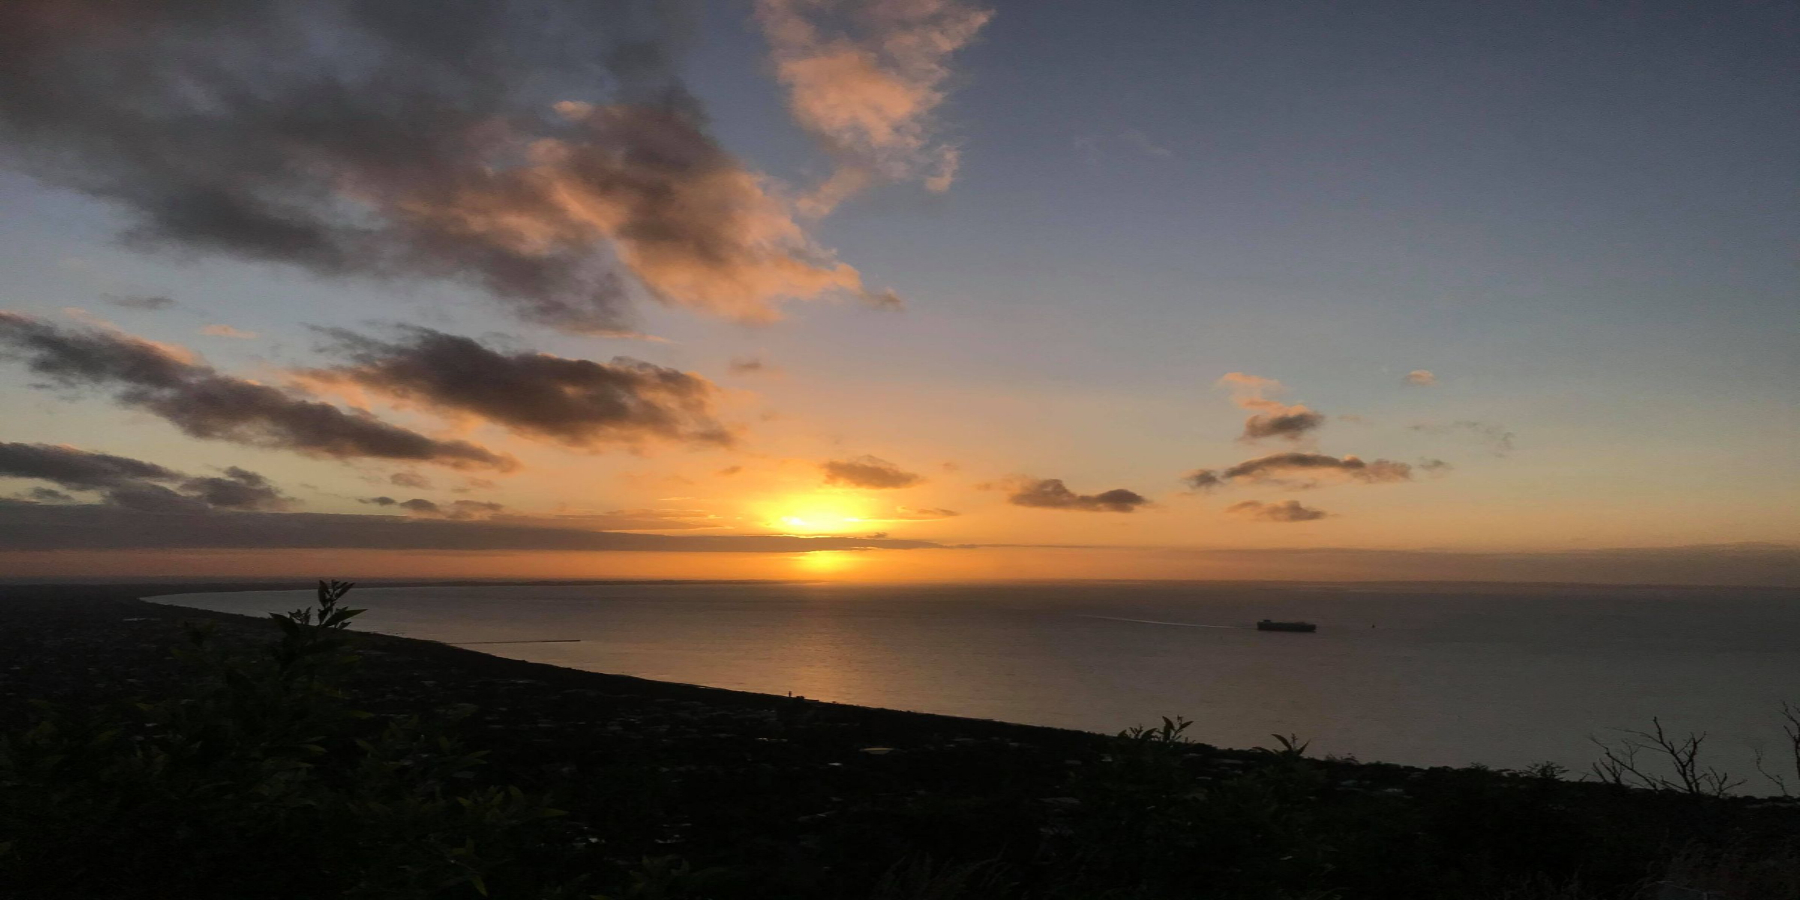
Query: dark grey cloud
x=1495 y=438
x=574 y=402
x=1051 y=493
x=239 y=489
x=625 y=520
x=30 y=526
x=1283 y=511
x=148 y=302
x=1302 y=468
x=542 y=151
x=868 y=472
x=1291 y=424
x=205 y=403
x=133 y=483
x=419 y=506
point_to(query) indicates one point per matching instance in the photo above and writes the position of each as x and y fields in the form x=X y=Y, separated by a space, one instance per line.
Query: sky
x=901 y=290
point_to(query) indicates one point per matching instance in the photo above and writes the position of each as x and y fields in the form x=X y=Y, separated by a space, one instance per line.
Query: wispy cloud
x=134 y=484
x=1282 y=511
x=205 y=403
x=865 y=80
x=226 y=331
x=1421 y=378
x=1495 y=438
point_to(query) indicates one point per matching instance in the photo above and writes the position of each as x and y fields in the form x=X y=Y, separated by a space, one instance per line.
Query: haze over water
x=1504 y=675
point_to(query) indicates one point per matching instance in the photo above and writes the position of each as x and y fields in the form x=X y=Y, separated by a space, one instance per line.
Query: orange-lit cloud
x=868 y=472
x=425 y=153
x=865 y=79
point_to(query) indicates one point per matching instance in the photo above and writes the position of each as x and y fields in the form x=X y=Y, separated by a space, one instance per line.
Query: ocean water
x=1417 y=674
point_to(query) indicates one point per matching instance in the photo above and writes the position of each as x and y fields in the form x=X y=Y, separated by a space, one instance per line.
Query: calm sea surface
x=1424 y=675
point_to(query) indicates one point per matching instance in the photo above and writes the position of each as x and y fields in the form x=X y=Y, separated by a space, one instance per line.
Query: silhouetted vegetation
x=280 y=766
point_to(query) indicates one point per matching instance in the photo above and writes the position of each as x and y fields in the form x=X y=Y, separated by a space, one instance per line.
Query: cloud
x=226 y=331
x=410 y=480
x=135 y=484
x=1495 y=438
x=1203 y=479
x=1421 y=378
x=544 y=152
x=752 y=366
x=1092 y=147
x=1272 y=418
x=573 y=402
x=1284 y=511
x=919 y=514
x=239 y=489
x=865 y=80
x=146 y=302
x=1051 y=493
x=1302 y=469
x=31 y=526
x=204 y=403
x=868 y=472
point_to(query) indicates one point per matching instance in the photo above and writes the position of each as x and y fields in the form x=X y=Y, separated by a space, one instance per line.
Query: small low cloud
x=1051 y=493
x=226 y=331
x=134 y=484
x=1495 y=438
x=1302 y=470
x=1097 y=148
x=144 y=302
x=868 y=472
x=920 y=514
x=410 y=480
x=752 y=365
x=1421 y=378
x=1270 y=418
x=1284 y=511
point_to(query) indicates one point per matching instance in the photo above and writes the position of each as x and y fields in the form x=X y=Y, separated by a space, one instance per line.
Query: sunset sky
x=900 y=289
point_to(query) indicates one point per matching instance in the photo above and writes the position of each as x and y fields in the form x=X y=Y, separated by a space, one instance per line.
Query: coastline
x=768 y=785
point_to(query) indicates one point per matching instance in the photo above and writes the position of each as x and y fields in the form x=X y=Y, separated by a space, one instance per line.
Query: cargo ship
x=1271 y=625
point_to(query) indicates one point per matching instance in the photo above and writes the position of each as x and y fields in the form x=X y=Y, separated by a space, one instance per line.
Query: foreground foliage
x=258 y=780
x=258 y=776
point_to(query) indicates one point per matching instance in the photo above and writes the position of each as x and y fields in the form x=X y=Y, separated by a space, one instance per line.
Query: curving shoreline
x=773 y=786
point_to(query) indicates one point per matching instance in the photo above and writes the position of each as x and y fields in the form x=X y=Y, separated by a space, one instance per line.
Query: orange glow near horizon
x=820 y=513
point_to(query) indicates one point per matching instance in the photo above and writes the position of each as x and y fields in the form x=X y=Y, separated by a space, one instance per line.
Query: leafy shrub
x=257 y=779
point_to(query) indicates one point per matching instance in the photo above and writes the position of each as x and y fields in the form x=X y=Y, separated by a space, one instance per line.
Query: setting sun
x=820 y=514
